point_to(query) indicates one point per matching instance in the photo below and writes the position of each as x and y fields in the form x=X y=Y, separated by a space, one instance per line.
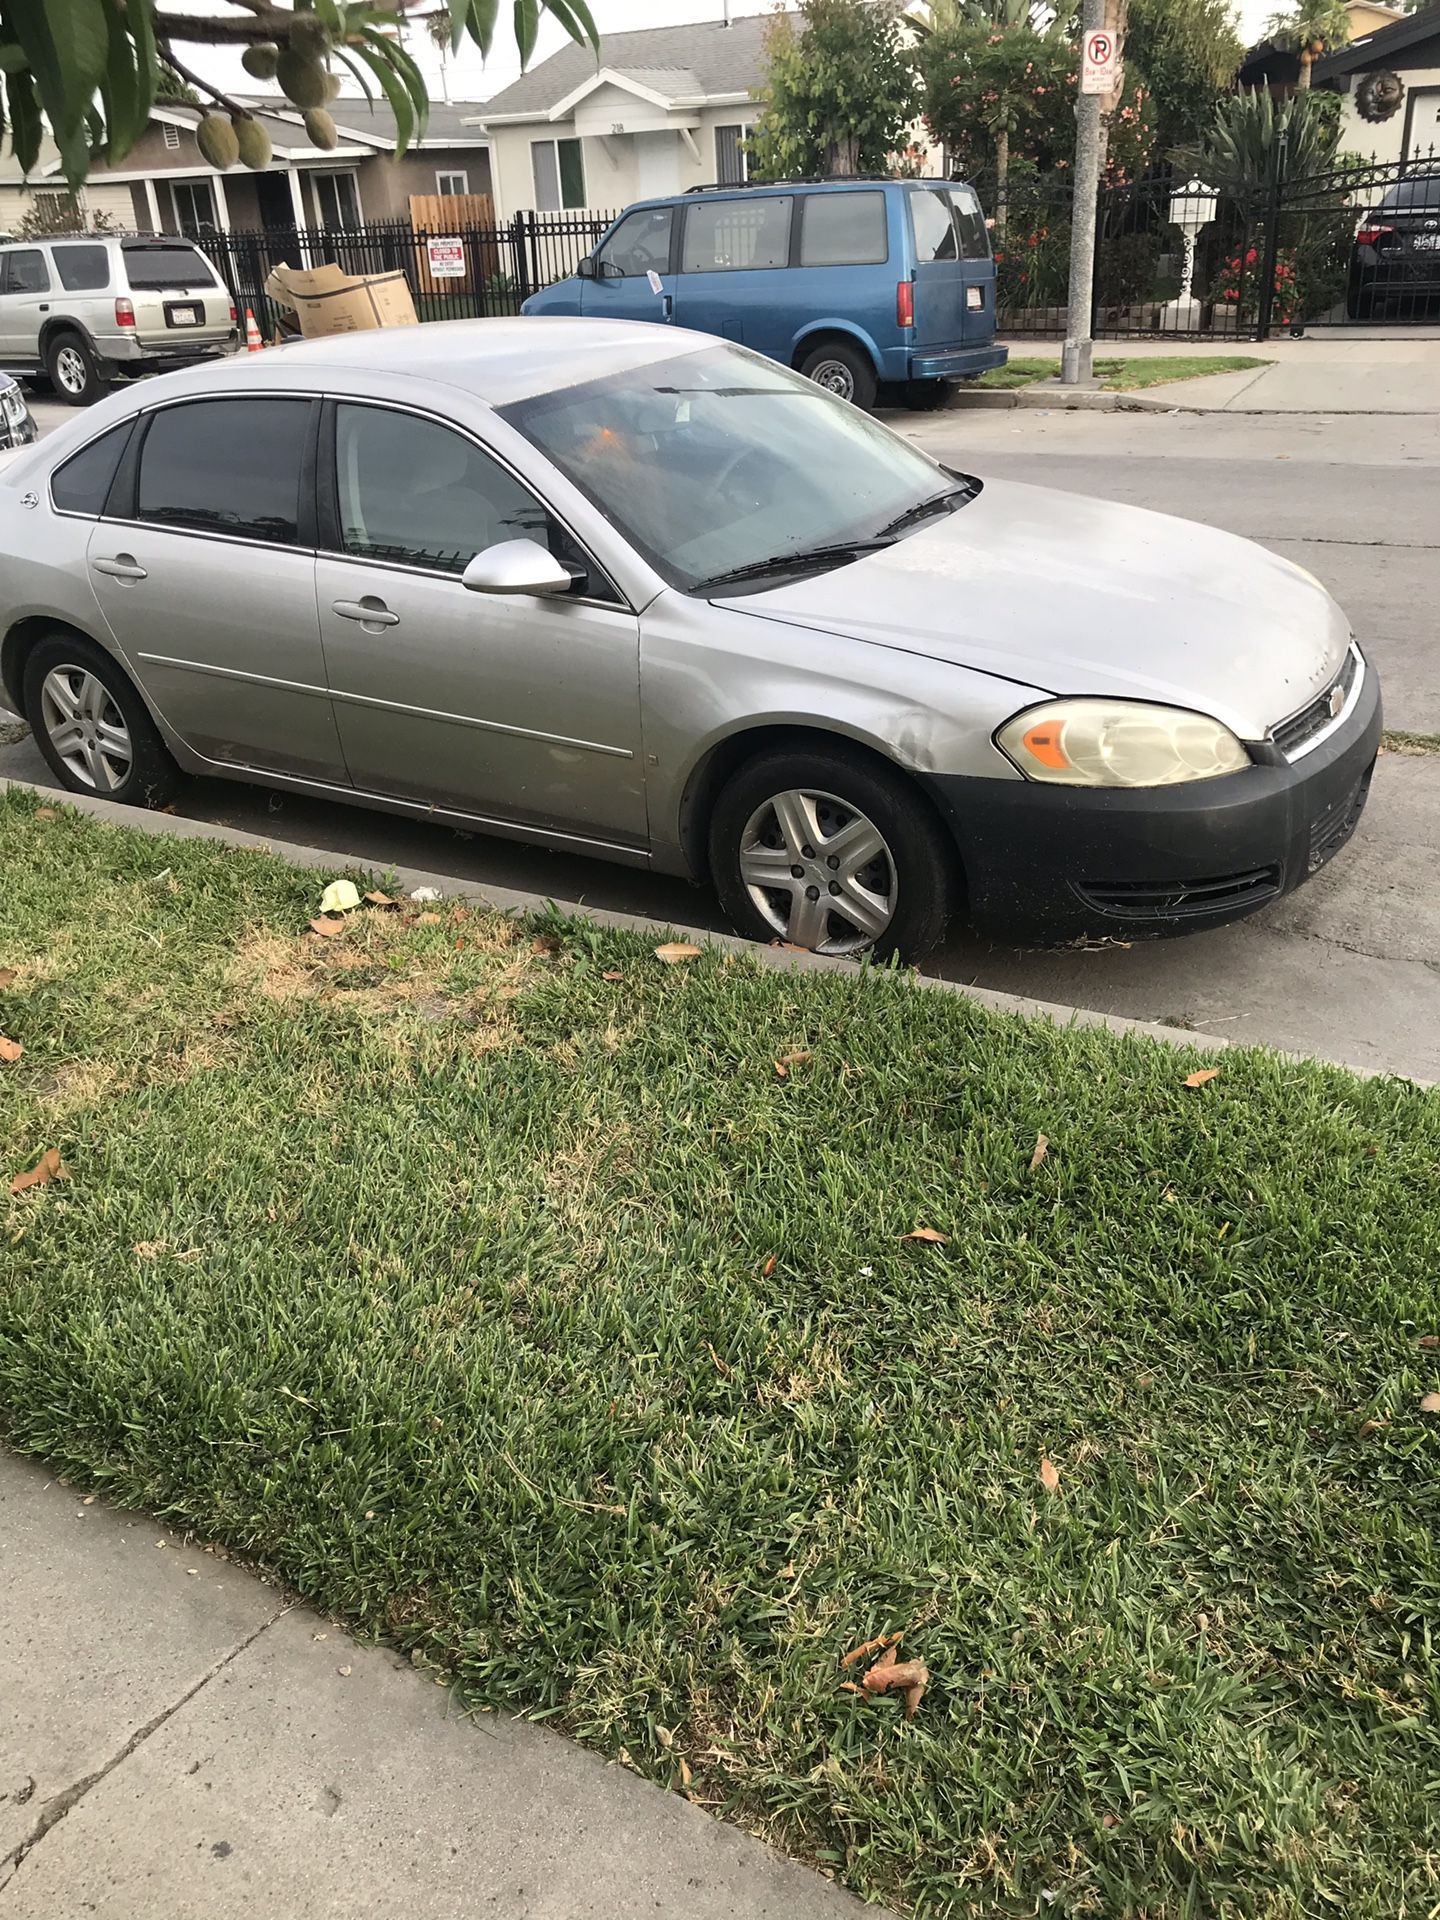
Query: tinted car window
x=413 y=492
x=932 y=220
x=727 y=236
x=81 y=484
x=970 y=224
x=82 y=269
x=1414 y=196
x=641 y=243
x=226 y=466
x=156 y=268
x=25 y=271
x=842 y=230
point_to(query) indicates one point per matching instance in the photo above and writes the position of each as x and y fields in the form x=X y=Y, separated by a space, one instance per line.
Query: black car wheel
x=93 y=727
x=842 y=369
x=74 y=369
x=828 y=850
x=1359 y=297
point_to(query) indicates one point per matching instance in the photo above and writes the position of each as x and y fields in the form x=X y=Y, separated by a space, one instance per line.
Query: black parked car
x=1396 y=255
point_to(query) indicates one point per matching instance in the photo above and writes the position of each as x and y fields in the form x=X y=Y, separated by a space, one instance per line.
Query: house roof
x=691 y=63
x=452 y=123
x=1402 y=45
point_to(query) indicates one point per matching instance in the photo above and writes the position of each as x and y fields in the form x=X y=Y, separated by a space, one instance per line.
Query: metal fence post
x=1265 y=310
x=521 y=258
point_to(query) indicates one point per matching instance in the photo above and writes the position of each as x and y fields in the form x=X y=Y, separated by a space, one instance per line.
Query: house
x=165 y=185
x=1389 y=83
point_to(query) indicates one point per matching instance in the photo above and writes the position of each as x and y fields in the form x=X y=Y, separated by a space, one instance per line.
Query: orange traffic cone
x=253 y=342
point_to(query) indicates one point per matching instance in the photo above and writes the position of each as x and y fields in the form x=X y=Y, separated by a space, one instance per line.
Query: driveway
x=1348 y=968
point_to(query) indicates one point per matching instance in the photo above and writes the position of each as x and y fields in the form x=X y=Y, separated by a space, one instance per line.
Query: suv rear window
x=152 y=268
x=82 y=269
x=843 y=230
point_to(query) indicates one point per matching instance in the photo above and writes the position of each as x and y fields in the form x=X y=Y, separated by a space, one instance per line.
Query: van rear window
x=155 y=269
x=843 y=230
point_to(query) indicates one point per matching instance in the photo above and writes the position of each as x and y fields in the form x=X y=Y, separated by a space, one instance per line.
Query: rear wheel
x=842 y=369
x=823 y=849
x=74 y=369
x=1359 y=296
x=92 y=726
x=924 y=396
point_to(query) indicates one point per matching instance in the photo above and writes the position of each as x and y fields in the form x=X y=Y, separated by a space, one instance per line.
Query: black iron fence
x=460 y=273
x=1176 y=258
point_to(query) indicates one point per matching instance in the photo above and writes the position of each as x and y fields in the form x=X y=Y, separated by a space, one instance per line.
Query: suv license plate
x=184 y=316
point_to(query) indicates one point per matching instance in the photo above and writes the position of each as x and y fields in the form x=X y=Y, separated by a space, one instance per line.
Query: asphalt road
x=1348 y=968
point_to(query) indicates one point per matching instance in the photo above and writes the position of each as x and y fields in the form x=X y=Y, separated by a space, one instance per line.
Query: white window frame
x=743 y=129
x=454 y=173
x=554 y=145
x=317 y=174
x=193 y=187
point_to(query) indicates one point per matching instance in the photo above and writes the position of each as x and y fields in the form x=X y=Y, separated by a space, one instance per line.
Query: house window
x=194 y=207
x=172 y=137
x=732 y=164
x=559 y=169
x=450 y=185
x=337 y=199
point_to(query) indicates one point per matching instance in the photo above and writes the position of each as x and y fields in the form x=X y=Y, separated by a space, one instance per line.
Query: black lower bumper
x=1051 y=864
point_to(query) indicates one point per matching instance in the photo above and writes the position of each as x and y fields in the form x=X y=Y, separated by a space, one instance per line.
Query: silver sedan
x=632 y=591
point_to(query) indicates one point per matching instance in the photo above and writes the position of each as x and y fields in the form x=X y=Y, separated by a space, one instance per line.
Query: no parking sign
x=1100 y=62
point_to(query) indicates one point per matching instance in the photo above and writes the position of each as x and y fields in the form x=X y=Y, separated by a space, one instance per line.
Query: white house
x=1389 y=81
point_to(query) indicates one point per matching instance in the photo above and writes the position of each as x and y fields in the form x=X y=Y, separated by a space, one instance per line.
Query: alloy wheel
x=819 y=872
x=70 y=369
x=86 y=728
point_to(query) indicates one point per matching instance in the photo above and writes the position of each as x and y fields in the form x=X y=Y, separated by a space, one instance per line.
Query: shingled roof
x=696 y=62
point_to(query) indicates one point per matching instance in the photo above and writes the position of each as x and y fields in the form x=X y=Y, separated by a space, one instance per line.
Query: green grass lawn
x=495 y=1286
x=1115 y=374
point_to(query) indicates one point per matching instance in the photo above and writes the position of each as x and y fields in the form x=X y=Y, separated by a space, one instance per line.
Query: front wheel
x=823 y=849
x=842 y=369
x=92 y=726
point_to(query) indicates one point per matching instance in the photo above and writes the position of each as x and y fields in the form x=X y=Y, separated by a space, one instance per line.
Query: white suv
x=79 y=312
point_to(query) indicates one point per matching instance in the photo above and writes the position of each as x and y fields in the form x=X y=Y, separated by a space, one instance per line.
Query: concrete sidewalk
x=177 y=1739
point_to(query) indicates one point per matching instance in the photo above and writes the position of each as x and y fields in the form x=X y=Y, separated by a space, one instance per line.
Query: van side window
x=640 y=244
x=970 y=224
x=933 y=222
x=26 y=272
x=843 y=230
x=730 y=236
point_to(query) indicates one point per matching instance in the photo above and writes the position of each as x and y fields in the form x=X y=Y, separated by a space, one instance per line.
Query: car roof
x=499 y=361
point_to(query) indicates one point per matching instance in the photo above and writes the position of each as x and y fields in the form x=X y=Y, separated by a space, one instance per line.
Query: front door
x=624 y=262
x=206 y=579
x=513 y=708
x=24 y=302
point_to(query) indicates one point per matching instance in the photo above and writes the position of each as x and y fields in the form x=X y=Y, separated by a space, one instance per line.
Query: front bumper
x=1045 y=865
x=957 y=363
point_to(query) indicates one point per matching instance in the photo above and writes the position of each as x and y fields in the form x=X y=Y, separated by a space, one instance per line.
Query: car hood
x=1082 y=596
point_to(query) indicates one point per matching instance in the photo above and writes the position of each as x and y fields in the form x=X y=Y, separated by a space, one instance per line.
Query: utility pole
x=1101 y=30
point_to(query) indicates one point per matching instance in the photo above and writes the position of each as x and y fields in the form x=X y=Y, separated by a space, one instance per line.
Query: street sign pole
x=1099 y=79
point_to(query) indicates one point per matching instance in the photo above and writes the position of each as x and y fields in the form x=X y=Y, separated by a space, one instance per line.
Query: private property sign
x=1100 y=62
x=445 y=259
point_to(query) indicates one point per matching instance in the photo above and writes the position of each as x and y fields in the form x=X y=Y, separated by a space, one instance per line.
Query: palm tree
x=939 y=16
x=437 y=25
x=1311 y=27
x=1239 y=151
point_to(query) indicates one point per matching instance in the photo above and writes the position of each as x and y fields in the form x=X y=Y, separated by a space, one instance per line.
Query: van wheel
x=843 y=370
x=821 y=848
x=92 y=726
x=74 y=370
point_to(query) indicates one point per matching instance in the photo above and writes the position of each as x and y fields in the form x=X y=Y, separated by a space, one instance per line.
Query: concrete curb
x=508 y=900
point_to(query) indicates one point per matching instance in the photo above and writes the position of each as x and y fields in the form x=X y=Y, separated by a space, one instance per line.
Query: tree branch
x=198 y=29
x=205 y=86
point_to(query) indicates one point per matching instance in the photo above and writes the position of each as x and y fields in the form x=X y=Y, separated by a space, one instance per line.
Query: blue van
x=850 y=281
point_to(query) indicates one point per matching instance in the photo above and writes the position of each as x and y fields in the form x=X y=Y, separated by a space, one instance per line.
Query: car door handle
x=668 y=306
x=44 y=306
x=122 y=567
x=370 y=612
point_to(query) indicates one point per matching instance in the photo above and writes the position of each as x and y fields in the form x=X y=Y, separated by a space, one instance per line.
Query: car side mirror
x=585 y=267
x=517 y=566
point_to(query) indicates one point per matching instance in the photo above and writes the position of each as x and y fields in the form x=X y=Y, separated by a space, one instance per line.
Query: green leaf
x=414 y=82
x=577 y=20
x=329 y=15
x=480 y=18
x=32 y=30
x=527 y=25
x=12 y=58
x=120 y=88
x=26 y=125
x=358 y=71
x=394 y=92
x=140 y=14
x=82 y=45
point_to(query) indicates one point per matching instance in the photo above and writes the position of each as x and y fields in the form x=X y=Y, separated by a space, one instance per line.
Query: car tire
x=842 y=369
x=895 y=867
x=92 y=726
x=74 y=370
x=1359 y=299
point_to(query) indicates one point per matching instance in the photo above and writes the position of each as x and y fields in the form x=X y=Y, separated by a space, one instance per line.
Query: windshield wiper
x=951 y=498
x=797 y=560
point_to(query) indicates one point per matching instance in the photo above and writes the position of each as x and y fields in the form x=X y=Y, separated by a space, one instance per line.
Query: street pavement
x=1347 y=969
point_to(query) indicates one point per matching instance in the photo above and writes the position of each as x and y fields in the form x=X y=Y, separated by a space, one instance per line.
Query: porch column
x=222 y=206
x=152 y=201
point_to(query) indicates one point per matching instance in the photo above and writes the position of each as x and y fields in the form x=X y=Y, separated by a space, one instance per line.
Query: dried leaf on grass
x=664 y=1735
x=1428 y=1340
x=1430 y=1403
x=768 y=1268
x=613 y=973
x=1049 y=1475
x=8 y=977
x=1199 y=1079
x=47 y=1168
x=10 y=1049
x=798 y=1058
x=928 y=1234
x=884 y=1640
x=1042 y=1147
x=1372 y=1426
x=674 y=951
x=428 y=919
x=47 y=813
x=908 y=1676
x=377 y=899
x=327 y=926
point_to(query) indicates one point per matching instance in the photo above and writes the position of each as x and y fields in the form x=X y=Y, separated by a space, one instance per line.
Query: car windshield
x=716 y=462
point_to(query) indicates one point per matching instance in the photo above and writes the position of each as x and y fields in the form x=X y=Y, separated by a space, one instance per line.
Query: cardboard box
x=328 y=301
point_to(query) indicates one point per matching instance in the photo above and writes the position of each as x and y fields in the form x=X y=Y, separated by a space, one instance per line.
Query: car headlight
x=14 y=403
x=1118 y=743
